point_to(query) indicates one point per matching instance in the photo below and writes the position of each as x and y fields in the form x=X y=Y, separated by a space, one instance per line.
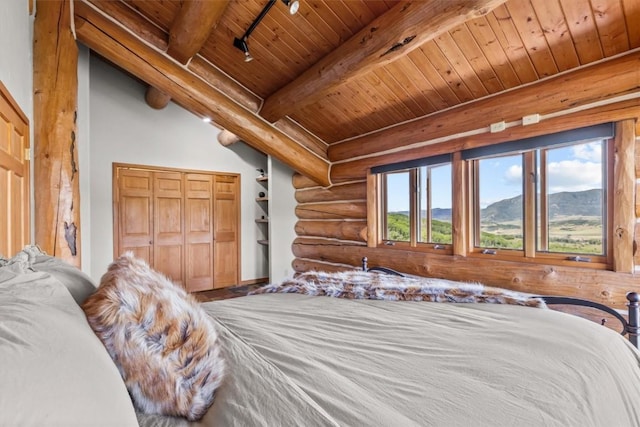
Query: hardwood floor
x=224 y=293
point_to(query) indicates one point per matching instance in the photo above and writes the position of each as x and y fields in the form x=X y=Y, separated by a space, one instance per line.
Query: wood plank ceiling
x=322 y=79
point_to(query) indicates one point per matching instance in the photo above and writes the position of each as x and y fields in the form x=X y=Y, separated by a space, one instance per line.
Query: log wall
x=332 y=235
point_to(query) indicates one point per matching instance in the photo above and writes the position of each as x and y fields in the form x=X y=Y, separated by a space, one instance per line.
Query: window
x=548 y=200
x=416 y=205
x=538 y=200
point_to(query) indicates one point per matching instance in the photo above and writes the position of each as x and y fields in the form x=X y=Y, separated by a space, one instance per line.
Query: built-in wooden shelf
x=262 y=178
x=260 y=220
x=263 y=242
x=262 y=199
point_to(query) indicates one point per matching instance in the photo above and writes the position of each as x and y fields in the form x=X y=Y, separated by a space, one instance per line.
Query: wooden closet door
x=226 y=197
x=133 y=213
x=15 y=212
x=168 y=230
x=199 y=232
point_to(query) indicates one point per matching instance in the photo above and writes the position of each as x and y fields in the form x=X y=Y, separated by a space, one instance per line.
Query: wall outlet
x=498 y=127
x=530 y=119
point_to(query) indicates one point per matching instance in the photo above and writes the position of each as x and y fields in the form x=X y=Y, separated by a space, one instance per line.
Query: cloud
x=574 y=175
x=513 y=175
x=591 y=151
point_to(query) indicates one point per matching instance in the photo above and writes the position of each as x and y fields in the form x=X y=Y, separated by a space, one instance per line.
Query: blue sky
x=573 y=168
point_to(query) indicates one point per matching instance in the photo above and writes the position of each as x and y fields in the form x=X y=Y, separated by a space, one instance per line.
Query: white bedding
x=300 y=360
x=297 y=360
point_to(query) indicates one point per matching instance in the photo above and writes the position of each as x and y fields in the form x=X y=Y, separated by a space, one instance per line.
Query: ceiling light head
x=293 y=6
x=243 y=46
x=206 y=119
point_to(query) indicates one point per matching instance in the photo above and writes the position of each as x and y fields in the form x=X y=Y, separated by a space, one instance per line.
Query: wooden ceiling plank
x=476 y=58
x=612 y=28
x=631 y=10
x=405 y=89
x=447 y=72
x=405 y=27
x=482 y=32
x=439 y=93
x=509 y=38
x=122 y=48
x=556 y=31
x=583 y=30
x=583 y=86
x=455 y=56
x=531 y=33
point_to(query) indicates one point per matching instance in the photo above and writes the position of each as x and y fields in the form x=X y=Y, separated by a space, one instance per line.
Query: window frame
x=616 y=257
x=414 y=206
x=529 y=251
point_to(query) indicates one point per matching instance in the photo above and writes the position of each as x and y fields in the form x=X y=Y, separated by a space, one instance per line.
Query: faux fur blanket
x=371 y=285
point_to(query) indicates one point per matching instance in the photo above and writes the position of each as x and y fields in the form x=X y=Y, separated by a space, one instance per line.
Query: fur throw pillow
x=355 y=284
x=159 y=337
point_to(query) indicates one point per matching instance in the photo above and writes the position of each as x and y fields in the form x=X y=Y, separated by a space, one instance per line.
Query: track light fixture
x=241 y=43
x=293 y=5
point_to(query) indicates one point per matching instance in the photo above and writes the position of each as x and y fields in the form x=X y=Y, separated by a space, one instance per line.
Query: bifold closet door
x=168 y=225
x=15 y=212
x=226 y=209
x=199 y=232
x=184 y=224
x=133 y=213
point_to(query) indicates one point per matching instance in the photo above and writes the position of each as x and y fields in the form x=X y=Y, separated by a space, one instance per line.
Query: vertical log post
x=55 y=81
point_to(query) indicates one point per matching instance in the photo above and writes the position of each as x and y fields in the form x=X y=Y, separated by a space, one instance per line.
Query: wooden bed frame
x=630 y=326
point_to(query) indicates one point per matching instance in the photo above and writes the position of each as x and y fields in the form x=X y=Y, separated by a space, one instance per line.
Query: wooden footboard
x=629 y=326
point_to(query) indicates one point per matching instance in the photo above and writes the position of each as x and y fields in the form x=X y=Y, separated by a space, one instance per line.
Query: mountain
x=566 y=203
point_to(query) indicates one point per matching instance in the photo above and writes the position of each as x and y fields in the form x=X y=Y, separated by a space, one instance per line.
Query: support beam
x=188 y=33
x=127 y=51
x=578 y=88
x=55 y=83
x=393 y=35
x=192 y=26
x=227 y=138
x=208 y=72
x=156 y=98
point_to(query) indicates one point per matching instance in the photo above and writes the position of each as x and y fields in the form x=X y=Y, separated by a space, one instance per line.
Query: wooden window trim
x=621 y=220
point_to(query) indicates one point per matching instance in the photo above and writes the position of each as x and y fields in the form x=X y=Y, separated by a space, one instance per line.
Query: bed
x=300 y=360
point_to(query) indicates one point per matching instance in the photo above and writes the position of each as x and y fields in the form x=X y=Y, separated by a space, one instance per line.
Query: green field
x=568 y=234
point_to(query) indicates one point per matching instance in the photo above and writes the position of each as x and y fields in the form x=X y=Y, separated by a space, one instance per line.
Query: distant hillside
x=576 y=203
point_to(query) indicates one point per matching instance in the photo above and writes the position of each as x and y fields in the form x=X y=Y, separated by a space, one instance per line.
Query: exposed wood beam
x=357 y=168
x=132 y=20
x=402 y=29
x=156 y=98
x=192 y=26
x=55 y=83
x=188 y=32
x=227 y=138
x=127 y=51
x=208 y=72
x=581 y=87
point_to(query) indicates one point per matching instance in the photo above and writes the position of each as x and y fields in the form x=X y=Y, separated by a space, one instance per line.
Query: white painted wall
x=16 y=45
x=282 y=220
x=124 y=129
